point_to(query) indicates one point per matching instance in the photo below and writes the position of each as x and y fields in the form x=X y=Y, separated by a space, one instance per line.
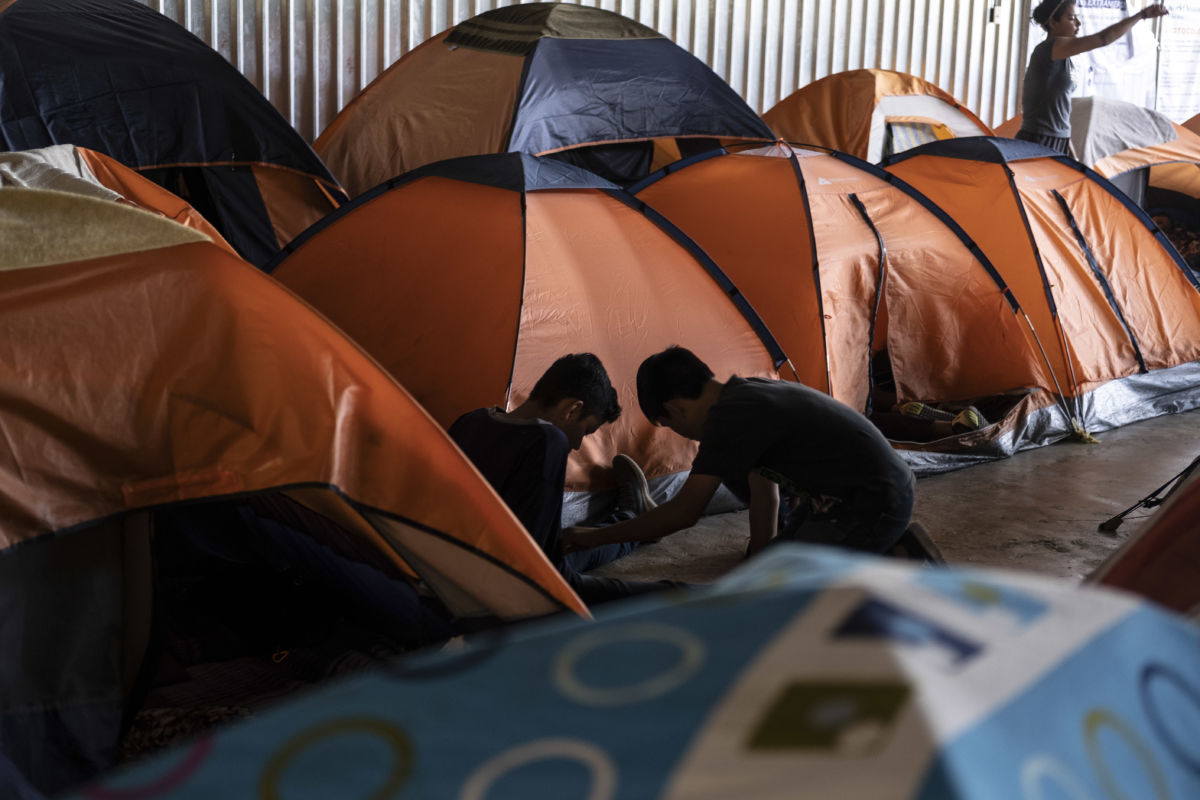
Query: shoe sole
x=626 y=470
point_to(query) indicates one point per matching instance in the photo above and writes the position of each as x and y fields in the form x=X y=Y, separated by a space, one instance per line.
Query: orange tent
x=1008 y=129
x=467 y=278
x=289 y=402
x=1193 y=124
x=148 y=368
x=842 y=261
x=1108 y=296
x=601 y=90
x=1150 y=158
x=871 y=113
x=1145 y=154
x=65 y=167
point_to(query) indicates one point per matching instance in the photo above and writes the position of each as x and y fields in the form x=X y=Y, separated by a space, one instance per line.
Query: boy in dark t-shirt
x=771 y=442
x=523 y=454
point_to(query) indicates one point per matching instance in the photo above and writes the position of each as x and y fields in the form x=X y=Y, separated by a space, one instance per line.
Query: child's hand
x=577 y=538
x=1156 y=10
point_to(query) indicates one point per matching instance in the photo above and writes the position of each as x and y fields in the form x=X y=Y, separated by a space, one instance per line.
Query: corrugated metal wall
x=310 y=57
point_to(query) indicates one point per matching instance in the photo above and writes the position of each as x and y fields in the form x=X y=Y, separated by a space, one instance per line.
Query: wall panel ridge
x=311 y=57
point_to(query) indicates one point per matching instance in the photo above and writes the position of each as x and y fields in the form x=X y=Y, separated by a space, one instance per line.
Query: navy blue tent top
x=520 y=172
x=518 y=28
x=572 y=86
x=514 y=171
x=583 y=63
x=992 y=149
x=118 y=77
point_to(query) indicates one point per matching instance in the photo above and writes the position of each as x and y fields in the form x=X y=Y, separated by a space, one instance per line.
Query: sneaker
x=967 y=420
x=633 y=492
x=926 y=412
x=915 y=544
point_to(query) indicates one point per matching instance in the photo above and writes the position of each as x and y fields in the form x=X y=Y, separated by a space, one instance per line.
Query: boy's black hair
x=1050 y=9
x=673 y=373
x=579 y=376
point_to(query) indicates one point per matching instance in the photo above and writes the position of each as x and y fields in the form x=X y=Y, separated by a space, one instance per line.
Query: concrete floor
x=1036 y=511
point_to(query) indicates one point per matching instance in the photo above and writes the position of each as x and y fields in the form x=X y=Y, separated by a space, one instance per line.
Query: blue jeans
x=867 y=523
x=593 y=557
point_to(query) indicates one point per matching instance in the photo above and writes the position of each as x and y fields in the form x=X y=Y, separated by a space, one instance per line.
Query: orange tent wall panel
x=1008 y=129
x=832 y=112
x=838 y=111
x=148 y=195
x=1158 y=302
x=139 y=413
x=1098 y=347
x=479 y=81
x=428 y=280
x=1181 y=178
x=980 y=198
x=744 y=212
x=617 y=286
x=1089 y=338
x=293 y=200
x=943 y=305
x=749 y=212
x=467 y=292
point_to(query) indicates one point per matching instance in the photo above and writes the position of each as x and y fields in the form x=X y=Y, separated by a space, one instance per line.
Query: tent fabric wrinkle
x=192 y=434
x=122 y=80
x=518 y=28
x=1100 y=277
x=583 y=92
x=122 y=420
x=862 y=111
x=1106 y=296
x=1101 y=127
x=56 y=168
x=605 y=92
x=547 y=271
x=814 y=272
x=118 y=96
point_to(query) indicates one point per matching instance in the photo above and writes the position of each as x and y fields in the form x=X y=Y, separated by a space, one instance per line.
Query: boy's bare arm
x=764 y=512
x=681 y=511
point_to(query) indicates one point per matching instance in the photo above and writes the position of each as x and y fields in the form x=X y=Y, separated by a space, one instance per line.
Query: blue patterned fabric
x=807 y=672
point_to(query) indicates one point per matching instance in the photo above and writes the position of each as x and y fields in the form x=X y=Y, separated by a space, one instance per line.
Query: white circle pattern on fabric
x=600 y=766
x=691 y=648
x=1037 y=769
x=1100 y=719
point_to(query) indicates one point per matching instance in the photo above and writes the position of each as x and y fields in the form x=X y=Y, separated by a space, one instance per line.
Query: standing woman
x=1049 y=79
